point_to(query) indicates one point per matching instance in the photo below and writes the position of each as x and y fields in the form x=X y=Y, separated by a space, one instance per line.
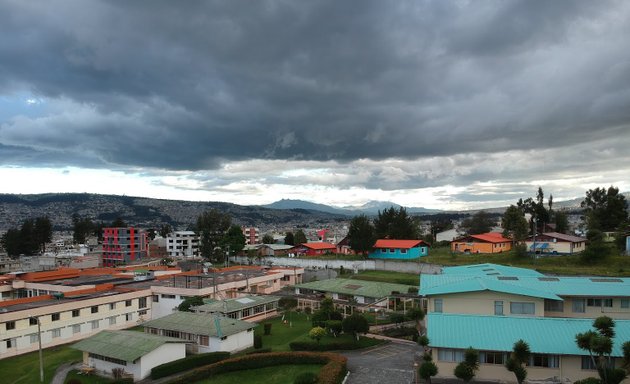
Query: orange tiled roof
x=319 y=245
x=491 y=237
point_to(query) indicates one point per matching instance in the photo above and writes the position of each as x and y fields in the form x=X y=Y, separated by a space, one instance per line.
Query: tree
x=599 y=344
x=605 y=209
x=334 y=326
x=165 y=230
x=536 y=208
x=439 y=225
x=185 y=305
x=361 y=234
x=467 y=369
x=300 y=237
x=480 y=222
x=317 y=333
x=211 y=226
x=514 y=224
x=596 y=249
x=82 y=227
x=427 y=369
x=118 y=223
x=355 y=324
x=268 y=239
x=42 y=232
x=517 y=360
x=233 y=240
x=395 y=224
x=561 y=220
x=288 y=239
x=12 y=242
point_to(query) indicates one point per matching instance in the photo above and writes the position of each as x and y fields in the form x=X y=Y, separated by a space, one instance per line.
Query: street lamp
x=39 y=340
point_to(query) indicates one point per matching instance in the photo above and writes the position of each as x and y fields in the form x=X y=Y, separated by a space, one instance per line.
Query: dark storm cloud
x=191 y=85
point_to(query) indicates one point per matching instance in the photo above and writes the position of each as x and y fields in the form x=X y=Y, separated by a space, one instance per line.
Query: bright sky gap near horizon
x=437 y=104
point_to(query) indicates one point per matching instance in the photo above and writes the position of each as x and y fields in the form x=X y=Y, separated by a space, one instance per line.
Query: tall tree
x=268 y=239
x=288 y=238
x=361 y=234
x=118 y=223
x=514 y=224
x=165 y=230
x=82 y=227
x=42 y=232
x=480 y=222
x=300 y=237
x=211 y=226
x=395 y=224
x=606 y=209
x=536 y=208
x=234 y=239
x=12 y=242
x=28 y=239
x=561 y=221
x=439 y=225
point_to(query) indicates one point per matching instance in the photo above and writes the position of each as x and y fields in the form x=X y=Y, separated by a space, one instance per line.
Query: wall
x=163 y=354
x=358 y=265
x=482 y=303
x=615 y=312
x=232 y=343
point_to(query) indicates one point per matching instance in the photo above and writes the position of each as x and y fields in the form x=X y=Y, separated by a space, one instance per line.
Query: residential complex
x=252 y=235
x=182 y=244
x=124 y=245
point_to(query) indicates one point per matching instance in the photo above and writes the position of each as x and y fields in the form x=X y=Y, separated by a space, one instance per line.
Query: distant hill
x=145 y=212
x=370 y=208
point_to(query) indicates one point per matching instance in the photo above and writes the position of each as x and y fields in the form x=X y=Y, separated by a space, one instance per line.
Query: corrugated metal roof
x=498 y=333
x=403 y=244
x=356 y=287
x=431 y=285
x=320 y=245
x=235 y=304
x=199 y=324
x=123 y=345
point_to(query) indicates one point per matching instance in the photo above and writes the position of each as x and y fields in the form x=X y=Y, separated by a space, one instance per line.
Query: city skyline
x=445 y=105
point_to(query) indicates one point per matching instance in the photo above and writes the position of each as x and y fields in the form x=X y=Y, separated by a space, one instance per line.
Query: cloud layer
x=358 y=94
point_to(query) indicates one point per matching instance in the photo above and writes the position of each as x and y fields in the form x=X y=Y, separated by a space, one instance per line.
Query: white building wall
x=232 y=343
x=164 y=354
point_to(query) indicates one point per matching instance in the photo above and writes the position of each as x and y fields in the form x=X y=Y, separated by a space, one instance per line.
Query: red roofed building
x=491 y=242
x=316 y=249
x=399 y=249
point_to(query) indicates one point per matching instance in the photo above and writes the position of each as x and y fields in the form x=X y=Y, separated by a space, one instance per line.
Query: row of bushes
x=187 y=363
x=333 y=370
x=331 y=346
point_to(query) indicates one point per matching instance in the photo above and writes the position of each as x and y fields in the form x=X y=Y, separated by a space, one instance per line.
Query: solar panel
x=352 y=286
x=548 y=279
x=604 y=280
x=507 y=278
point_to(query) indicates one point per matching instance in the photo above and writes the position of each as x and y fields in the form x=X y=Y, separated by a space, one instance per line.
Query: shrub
x=267 y=329
x=333 y=371
x=334 y=327
x=306 y=378
x=258 y=342
x=187 y=363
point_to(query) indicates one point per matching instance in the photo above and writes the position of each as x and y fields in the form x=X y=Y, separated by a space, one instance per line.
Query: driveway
x=391 y=363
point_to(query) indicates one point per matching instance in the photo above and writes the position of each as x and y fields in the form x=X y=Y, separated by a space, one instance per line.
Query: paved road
x=391 y=363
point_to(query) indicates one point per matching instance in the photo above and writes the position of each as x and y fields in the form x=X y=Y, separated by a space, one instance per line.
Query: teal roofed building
x=551 y=341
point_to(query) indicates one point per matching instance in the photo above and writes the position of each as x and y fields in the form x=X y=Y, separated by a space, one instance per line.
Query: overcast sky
x=441 y=104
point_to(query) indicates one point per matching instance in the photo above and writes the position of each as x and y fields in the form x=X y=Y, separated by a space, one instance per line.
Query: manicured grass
x=282 y=334
x=24 y=369
x=91 y=379
x=281 y=374
x=388 y=277
x=561 y=265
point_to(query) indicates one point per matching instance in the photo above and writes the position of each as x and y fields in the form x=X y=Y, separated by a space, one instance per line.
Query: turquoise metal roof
x=489 y=269
x=431 y=285
x=498 y=333
x=492 y=277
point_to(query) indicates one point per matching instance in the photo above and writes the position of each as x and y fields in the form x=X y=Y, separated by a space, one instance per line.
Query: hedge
x=331 y=346
x=333 y=370
x=187 y=363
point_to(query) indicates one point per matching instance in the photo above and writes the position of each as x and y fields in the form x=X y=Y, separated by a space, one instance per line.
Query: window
x=204 y=340
x=94 y=324
x=579 y=305
x=127 y=303
x=34 y=338
x=392 y=250
x=165 y=296
x=452 y=355
x=76 y=328
x=587 y=363
x=55 y=333
x=246 y=312
x=142 y=313
x=10 y=325
x=94 y=309
x=55 y=317
x=625 y=303
x=554 y=305
x=76 y=312
x=498 y=308
x=437 y=305
x=521 y=308
x=542 y=360
x=156 y=298
x=593 y=302
x=112 y=306
x=403 y=251
x=142 y=302
x=10 y=343
x=112 y=320
x=607 y=303
x=128 y=316
x=32 y=321
x=490 y=357
x=108 y=359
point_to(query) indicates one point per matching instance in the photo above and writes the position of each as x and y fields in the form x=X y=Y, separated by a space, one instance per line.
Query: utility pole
x=39 y=341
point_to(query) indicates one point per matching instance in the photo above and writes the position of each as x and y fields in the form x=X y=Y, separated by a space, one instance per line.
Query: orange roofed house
x=491 y=242
x=316 y=249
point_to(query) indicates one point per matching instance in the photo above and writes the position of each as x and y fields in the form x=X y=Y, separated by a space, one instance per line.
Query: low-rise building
x=248 y=308
x=491 y=242
x=315 y=249
x=554 y=243
x=133 y=353
x=399 y=249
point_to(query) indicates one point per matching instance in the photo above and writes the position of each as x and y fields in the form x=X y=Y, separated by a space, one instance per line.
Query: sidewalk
x=62 y=371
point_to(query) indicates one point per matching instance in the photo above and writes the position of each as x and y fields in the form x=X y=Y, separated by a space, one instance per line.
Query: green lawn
x=561 y=265
x=282 y=374
x=388 y=277
x=282 y=334
x=25 y=368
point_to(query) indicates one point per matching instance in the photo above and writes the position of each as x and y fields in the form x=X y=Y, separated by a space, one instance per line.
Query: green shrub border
x=333 y=371
x=187 y=363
